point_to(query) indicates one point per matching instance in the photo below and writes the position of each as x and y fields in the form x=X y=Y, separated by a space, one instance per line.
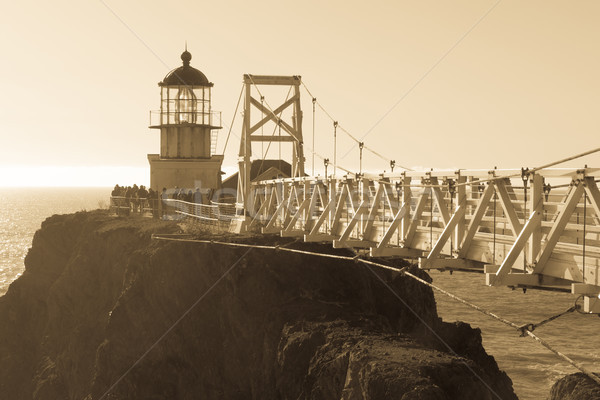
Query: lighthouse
x=188 y=132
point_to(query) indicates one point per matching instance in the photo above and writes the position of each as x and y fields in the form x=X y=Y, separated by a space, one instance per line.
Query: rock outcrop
x=105 y=312
x=575 y=387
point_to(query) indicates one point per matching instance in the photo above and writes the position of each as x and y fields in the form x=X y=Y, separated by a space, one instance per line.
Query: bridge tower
x=291 y=131
x=188 y=132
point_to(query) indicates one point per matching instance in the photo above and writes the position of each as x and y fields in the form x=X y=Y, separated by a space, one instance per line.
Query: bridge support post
x=461 y=197
x=537 y=205
x=290 y=132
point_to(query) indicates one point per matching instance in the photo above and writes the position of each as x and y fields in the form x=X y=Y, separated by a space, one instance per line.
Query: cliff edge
x=102 y=311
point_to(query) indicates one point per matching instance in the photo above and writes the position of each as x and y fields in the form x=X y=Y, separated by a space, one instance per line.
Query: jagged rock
x=577 y=386
x=104 y=310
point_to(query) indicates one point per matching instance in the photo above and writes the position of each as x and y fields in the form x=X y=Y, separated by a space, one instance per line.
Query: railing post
x=406 y=199
x=536 y=204
x=333 y=200
x=461 y=193
x=364 y=196
x=306 y=196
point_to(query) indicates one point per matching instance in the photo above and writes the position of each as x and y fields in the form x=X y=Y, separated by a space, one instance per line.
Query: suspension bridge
x=524 y=228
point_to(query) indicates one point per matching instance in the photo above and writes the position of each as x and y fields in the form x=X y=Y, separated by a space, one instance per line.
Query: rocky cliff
x=105 y=312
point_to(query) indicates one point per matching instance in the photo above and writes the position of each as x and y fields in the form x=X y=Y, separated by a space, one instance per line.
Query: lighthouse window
x=185 y=106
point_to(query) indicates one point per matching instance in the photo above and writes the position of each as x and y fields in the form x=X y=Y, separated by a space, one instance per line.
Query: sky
x=429 y=84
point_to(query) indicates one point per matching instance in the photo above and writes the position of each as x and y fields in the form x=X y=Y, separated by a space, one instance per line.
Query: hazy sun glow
x=64 y=176
x=463 y=84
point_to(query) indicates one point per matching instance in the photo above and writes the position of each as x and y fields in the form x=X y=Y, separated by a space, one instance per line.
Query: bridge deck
x=542 y=231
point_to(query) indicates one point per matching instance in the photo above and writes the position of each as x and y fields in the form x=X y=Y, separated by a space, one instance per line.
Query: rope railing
x=210 y=213
x=523 y=329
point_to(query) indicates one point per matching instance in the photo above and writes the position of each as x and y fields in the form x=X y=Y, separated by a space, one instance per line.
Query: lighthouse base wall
x=185 y=173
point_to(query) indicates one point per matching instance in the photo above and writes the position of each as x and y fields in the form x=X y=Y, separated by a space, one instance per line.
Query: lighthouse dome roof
x=185 y=75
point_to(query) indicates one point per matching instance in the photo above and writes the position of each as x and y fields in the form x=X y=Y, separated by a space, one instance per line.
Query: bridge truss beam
x=518 y=232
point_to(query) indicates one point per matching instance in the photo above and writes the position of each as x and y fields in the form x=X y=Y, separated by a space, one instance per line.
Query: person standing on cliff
x=143 y=198
x=114 y=201
x=135 y=202
x=150 y=201
x=163 y=202
x=128 y=196
x=198 y=196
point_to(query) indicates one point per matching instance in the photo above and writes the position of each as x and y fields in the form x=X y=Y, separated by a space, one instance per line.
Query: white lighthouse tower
x=188 y=132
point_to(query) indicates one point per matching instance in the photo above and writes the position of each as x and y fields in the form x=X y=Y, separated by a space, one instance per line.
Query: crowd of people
x=134 y=199
x=137 y=199
x=186 y=195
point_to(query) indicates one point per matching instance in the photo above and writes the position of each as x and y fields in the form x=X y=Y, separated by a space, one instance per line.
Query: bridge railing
x=530 y=230
x=216 y=214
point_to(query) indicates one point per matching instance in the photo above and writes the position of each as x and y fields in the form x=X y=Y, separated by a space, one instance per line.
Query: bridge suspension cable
x=524 y=172
x=233 y=119
x=525 y=330
x=340 y=127
x=586 y=153
x=314 y=100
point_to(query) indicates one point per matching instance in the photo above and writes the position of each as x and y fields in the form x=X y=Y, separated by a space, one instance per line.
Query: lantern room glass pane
x=186 y=105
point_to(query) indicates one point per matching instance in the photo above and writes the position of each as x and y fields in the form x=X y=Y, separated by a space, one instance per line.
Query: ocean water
x=22 y=212
x=532 y=368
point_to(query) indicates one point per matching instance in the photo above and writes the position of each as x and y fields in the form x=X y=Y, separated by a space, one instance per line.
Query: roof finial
x=186 y=56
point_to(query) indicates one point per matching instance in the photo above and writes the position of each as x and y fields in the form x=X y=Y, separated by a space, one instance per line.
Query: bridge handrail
x=440 y=173
x=208 y=212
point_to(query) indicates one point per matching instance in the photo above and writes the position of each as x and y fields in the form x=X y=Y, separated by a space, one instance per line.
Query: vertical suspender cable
x=524 y=178
x=451 y=234
x=584 y=225
x=451 y=190
x=262 y=115
x=360 y=149
x=314 y=101
x=430 y=218
x=335 y=125
x=398 y=187
x=233 y=120
x=279 y=141
x=494 y=252
x=577 y=239
x=385 y=197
